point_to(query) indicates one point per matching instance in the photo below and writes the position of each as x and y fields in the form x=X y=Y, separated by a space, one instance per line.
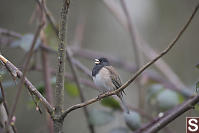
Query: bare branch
x=116 y=61
x=47 y=78
x=136 y=51
x=59 y=89
x=4 y=113
x=48 y=16
x=16 y=73
x=171 y=76
x=9 y=33
x=25 y=69
x=143 y=68
x=72 y=67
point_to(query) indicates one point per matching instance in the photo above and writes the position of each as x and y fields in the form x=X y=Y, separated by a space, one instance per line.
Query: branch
x=59 y=89
x=116 y=61
x=160 y=122
x=47 y=77
x=48 y=16
x=25 y=69
x=16 y=73
x=4 y=113
x=171 y=76
x=142 y=69
x=72 y=67
x=70 y=77
x=136 y=51
x=9 y=33
x=163 y=67
x=119 y=63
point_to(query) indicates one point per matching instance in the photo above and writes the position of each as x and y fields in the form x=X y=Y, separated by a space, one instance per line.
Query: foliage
x=110 y=102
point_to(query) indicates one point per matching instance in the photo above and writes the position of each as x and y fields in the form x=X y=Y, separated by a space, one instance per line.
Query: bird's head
x=102 y=61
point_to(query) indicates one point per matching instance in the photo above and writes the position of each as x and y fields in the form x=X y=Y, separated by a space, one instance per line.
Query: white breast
x=103 y=82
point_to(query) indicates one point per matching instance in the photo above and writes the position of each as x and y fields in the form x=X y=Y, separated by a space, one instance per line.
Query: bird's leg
x=101 y=93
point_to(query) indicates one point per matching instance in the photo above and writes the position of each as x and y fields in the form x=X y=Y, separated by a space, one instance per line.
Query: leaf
x=132 y=120
x=119 y=130
x=167 y=99
x=110 y=102
x=180 y=98
x=100 y=117
x=71 y=89
x=25 y=42
x=41 y=88
x=197 y=107
x=152 y=93
x=197 y=66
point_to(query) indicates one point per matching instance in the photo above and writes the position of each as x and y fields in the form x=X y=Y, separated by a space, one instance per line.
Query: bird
x=106 y=78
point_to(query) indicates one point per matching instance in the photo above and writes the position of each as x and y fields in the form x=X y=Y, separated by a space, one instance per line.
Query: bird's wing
x=114 y=77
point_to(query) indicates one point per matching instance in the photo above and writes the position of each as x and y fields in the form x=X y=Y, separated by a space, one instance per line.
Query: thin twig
x=116 y=61
x=136 y=51
x=72 y=67
x=160 y=122
x=16 y=73
x=25 y=69
x=70 y=77
x=9 y=33
x=163 y=66
x=49 y=17
x=47 y=78
x=171 y=76
x=6 y=108
x=119 y=63
x=143 y=68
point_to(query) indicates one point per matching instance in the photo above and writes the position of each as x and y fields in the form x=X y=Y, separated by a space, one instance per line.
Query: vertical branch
x=4 y=113
x=47 y=76
x=86 y=113
x=136 y=49
x=59 y=90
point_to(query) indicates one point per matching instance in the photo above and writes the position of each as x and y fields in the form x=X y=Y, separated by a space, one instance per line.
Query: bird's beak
x=97 y=61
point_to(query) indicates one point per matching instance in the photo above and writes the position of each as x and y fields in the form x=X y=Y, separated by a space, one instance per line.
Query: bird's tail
x=123 y=104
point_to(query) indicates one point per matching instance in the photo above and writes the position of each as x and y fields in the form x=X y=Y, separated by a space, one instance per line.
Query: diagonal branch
x=16 y=73
x=160 y=122
x=25 y=69
x=167 y=72
x=143 y=68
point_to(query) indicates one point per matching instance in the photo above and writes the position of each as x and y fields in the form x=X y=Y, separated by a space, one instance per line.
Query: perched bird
x=106 y=79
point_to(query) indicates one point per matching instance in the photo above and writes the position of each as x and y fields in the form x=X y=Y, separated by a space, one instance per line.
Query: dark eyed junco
x=106 y=79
